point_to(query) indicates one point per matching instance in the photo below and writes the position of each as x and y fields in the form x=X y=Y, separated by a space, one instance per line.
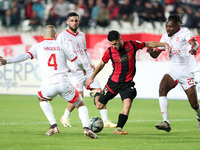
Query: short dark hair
x=71 y=14
x=176 y=18
x=113 y=35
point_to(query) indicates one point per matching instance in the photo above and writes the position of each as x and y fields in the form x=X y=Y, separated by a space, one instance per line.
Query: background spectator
x=103 y=18
x=84 y=21
x=158 y=11
x=62 y=8
x=94 y=13
x=8 y=20
x=35 y=21
x=52 y=18
x=125 y=12
x=113 y=9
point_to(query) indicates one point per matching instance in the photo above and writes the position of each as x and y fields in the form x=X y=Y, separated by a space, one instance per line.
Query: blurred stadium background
x=22 y=21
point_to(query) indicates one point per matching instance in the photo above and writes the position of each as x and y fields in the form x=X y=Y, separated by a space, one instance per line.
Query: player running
x=52 y=59
x=182 y=67
x=75 y=41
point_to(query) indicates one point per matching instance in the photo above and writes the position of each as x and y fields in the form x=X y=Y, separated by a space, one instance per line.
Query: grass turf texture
x=23 y=126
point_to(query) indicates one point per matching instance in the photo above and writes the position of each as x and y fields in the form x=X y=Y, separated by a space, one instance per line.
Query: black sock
x=53 y=126
x=122 y=120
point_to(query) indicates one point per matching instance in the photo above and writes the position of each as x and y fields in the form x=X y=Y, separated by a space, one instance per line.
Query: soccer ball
x=96 y=124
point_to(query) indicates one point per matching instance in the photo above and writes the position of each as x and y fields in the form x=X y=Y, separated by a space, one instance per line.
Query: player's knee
x=99 y=105
x=195 y=105
x=162 y=91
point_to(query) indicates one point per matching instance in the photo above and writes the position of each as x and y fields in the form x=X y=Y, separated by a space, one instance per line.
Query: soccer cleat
x=163 y=126
x=65 y=122
x=109 y=124
x=90 y=134
x=52 y=131
x=198 y=124
x=119 y=130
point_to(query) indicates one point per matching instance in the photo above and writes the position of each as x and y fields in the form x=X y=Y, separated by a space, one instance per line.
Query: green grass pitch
x=23 y=126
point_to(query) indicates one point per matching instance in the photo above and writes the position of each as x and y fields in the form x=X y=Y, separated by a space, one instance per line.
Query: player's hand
x=149 y=50
x=2 y=61
x=92 y=66
x=168 y=48
x=193 y=52
x=89 y=81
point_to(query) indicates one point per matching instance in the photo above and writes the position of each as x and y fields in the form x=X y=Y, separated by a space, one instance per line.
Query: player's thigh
x=168 y=82
x=192 y=97
x=48 y=92
x=106 y=95
x=129 y=92
x=70 y=94
x=76 y=81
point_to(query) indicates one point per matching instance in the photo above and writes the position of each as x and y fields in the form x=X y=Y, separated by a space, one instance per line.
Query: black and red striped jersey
x=123 y=60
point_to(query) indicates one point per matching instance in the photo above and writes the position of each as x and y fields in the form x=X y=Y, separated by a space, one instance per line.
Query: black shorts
x=125 y=89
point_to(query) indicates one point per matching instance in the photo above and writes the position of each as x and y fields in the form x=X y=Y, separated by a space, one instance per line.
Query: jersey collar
x=72 y=33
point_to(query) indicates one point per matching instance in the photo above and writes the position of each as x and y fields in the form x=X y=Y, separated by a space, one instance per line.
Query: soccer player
x=182 y=66
x=75 y=41
x=122 y=54
x=52 y=59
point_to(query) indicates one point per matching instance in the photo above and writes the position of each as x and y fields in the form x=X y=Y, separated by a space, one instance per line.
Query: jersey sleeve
x=189 y=35
x=106 y=56
x=139 y=44
x=33 y=51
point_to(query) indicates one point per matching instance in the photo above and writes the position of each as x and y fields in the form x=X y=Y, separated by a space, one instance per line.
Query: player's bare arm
x=154 y=53
x=195 y=46
x=153 y=44
x=96 y=71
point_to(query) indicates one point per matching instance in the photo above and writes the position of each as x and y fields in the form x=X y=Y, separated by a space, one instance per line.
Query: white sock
x=163 y=101
x=198 y=112
x=48 y=111
x=83 y=115
x=104 y=114
x=66 y=114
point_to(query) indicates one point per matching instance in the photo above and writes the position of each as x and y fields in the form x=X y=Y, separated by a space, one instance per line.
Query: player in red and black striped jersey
x=122 y=54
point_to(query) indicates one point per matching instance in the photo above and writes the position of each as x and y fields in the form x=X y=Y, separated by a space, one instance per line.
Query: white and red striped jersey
x=76 y=43
x=52 y=59
x=180 y=58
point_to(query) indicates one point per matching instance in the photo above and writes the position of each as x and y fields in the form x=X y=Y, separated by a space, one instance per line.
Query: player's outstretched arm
x=96 y=71
x=195 y=46
x=154 y=53
x=153 y=44
x=16 y=59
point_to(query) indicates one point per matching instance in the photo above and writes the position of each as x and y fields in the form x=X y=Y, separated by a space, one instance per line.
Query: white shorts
x=185 y=79
x=64 y=89
x=78 y=79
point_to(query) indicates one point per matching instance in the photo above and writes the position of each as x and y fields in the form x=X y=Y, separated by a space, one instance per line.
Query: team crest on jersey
x=177 y=39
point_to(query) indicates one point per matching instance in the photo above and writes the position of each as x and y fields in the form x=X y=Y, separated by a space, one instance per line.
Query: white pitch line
x=172 y=120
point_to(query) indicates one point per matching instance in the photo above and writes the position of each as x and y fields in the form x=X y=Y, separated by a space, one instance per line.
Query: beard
x=73 y=29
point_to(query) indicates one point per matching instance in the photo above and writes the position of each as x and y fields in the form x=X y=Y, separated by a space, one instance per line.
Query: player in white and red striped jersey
x=52 y=59
x=183 y=65
x=75 y=41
